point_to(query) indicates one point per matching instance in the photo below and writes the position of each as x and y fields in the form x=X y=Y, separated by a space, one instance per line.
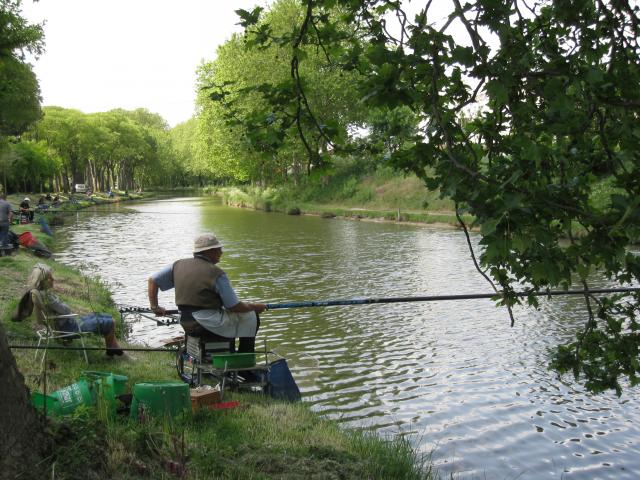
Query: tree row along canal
x=452 y=377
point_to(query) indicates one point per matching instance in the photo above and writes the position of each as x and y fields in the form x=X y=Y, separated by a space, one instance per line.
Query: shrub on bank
x=348 y=190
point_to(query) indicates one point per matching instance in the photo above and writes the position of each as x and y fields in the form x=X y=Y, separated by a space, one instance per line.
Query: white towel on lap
x=228 y=324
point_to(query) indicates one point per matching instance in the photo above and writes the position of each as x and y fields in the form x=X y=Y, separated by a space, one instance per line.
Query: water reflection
x=450 y=376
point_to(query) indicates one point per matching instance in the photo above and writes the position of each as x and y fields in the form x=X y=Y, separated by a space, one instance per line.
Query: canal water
x=452 y=377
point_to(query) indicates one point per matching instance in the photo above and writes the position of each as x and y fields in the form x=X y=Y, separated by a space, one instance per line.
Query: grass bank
x=347 y=192
x=69 y=203
x=354 y=191
x=262 y=439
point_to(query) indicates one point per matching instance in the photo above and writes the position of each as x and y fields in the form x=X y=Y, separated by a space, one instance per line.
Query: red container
x=223 y=405
x=27 y=239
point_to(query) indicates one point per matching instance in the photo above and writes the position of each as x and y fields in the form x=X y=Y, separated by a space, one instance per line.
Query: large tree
x=19 y=89
x=69 y=133
x=241 y=135
x=548 y=161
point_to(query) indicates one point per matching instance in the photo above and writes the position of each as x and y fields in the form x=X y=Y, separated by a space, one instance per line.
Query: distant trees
x=186 y=166
x=118 y=148
x=127 y=149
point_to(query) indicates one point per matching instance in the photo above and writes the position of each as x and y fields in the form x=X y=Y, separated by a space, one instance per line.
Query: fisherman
x=205 y=297
x=6 y=215
x=25 y=209
x=42 y=204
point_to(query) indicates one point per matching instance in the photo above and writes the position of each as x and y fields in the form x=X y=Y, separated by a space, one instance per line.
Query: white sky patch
x=105 y=54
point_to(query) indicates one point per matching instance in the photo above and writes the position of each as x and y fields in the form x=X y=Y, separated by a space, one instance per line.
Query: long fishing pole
x=431 y=298
x=438 y=298
x=129 y=309
x=61 y=347
x=123 y=309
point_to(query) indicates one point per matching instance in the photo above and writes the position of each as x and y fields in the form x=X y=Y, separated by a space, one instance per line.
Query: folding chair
x=197 y=350
x=49 y=332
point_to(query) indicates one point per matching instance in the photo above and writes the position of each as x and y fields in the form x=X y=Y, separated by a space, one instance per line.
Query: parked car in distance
x=81 y=188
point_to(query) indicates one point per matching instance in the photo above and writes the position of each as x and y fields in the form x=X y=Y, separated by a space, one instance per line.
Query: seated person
x=41 y=279
x=25 y=208
x=6 y=216
x=48 y=197
x=42 y=204
x=205 y=298
x=56 y=201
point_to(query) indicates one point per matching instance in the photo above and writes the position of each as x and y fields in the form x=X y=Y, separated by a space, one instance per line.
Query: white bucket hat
x=206 y=241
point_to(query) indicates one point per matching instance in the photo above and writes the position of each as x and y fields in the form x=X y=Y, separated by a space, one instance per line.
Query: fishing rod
x=431 y=298
x=60 y=347
x=130 y=212
x=438 y=298
x=130 y=309
x=142 y=311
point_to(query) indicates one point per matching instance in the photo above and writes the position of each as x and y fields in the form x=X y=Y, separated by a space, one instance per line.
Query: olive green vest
x=193 y=280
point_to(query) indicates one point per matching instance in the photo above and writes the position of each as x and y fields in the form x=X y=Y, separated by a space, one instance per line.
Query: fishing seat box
x=203 y=398
x=202 y=348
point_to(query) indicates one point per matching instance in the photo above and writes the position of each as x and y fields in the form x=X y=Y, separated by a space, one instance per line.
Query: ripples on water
x=452 y=377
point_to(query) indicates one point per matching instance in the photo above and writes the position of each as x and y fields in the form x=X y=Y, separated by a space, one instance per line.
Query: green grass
x=349 y=191
x=379 y=195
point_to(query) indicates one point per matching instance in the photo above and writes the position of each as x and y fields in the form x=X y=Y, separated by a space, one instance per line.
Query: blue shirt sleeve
x=226 y=292
x=55 y=305
x=164 y=278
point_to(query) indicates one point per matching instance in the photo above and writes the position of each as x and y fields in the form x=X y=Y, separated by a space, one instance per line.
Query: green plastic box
x=234 y=360
x=74 y=395
x=159 y=399
x=107 y=386
x=39 y=400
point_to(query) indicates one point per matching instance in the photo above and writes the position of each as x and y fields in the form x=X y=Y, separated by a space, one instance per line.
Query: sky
x=105 y=54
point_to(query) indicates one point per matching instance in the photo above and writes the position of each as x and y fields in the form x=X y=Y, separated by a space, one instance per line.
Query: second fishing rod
x=426 y=298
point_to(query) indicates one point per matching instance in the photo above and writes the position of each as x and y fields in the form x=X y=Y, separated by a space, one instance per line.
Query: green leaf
x=595 y=76
x=489 y=226
x=498 y=92
x=249 y=18
x=583 y=270
x=463 y=55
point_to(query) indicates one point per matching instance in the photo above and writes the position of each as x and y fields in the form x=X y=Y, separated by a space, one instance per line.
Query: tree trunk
x=65 y=180
x=74 y=162
x=23 y=441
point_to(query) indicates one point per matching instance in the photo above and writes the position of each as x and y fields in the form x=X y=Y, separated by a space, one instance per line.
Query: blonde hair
x=38 y=276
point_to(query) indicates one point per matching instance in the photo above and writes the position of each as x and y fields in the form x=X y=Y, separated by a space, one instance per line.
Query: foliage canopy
x=19 y=89
x=526 y=117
